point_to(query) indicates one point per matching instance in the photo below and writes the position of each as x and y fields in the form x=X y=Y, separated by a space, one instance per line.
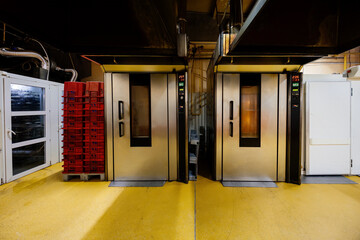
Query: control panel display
x=181 y=92
x=295 y=90
x=293 y=160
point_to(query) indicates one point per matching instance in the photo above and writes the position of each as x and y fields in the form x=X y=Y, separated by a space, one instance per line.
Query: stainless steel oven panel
x=250 y=163
x=141 y=163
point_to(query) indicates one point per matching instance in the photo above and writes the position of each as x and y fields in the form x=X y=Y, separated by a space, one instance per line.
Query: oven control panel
x=181 y=92
x=295 y=90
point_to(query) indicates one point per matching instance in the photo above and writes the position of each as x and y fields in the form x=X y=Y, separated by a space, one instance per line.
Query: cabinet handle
x=121 y=110
x=231 y=110
x=10 y=132
x=121 y=129
x=231 y=129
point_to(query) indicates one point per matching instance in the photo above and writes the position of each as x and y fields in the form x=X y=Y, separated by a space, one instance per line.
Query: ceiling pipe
x=73 y=71
x=9 y=53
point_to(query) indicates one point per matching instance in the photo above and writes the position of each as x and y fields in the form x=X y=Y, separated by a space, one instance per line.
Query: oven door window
x=140 y=110
x=250 y=98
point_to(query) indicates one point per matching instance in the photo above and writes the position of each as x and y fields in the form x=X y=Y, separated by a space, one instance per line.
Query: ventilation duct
x=73 y=71
x=9 y=53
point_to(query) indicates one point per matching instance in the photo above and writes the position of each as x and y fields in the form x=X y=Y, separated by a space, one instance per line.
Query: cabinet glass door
x=26 y=127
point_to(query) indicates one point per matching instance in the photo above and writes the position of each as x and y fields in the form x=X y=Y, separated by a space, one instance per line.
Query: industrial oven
x=146 y=123
x=254 y=125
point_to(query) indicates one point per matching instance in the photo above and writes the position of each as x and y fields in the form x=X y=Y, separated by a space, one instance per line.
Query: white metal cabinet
x=61 y=118
x=2 y=147
x=355 y=127
x=56 y=93
x=328 y=128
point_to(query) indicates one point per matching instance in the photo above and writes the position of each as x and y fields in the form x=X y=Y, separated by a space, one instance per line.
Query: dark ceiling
x=93 y=27
x=284 y=31
x=310 y=27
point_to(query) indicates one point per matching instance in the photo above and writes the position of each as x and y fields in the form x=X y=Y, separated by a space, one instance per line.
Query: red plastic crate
x=95 y=137
x=94 y=118
x=69 y=132
x=71 y=125
x=99 y=113
x=90 y=156
x=99 y=124
x=68 y=143
x=94 y=89
x=94 y=99
x=94 y=106
x=72 y=150
x=72 y=119
x=73 y=113
x=73 y=169
x=94 y=143
x=94 y=169
x=73 y=158
x=74 y=89
x=93 y=131
x=72 y=138
x=91 y=99
x=99 y=162
x=76 y=163
x=72 y=106
x=101 y=89
x=73 y=100
x=99 y=151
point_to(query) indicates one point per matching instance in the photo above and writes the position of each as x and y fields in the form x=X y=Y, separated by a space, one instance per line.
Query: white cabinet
x=328 y=128
x=30 y=125
x=56 y=93
x=2 y=147
x=355 y=128
x=332 y=129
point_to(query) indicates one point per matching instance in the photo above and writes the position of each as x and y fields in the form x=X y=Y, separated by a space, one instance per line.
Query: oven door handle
x=121 y=129
x=121 y=110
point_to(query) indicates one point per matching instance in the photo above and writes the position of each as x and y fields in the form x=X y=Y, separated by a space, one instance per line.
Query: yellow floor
x=289 y=212
x=42 y=206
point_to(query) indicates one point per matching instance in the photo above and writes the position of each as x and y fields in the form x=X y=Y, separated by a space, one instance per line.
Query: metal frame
x=187 y=129
x=218 y=123
x=172 y=125
x=254 y=12
x=2 y=128
x=256 y=68
x=109 y=141
x=109 y=68
x=282 y=117
x=9 y=146
x=172 y=118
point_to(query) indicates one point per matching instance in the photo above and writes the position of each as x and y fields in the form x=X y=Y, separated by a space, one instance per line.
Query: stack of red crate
x=73 y=127
x=94 y=141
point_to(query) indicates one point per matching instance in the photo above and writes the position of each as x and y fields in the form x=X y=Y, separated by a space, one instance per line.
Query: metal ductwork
x=73 y=71
x=9 y=53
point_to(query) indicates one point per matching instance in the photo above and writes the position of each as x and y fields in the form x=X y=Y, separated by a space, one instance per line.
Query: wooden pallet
x=83 y=176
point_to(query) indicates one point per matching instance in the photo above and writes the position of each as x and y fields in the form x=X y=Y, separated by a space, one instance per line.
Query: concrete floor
x=42 y=206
